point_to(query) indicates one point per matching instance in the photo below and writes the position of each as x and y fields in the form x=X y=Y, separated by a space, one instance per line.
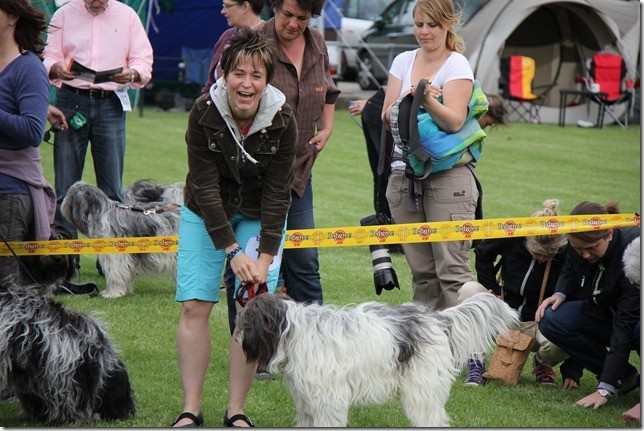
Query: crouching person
x=600 y=331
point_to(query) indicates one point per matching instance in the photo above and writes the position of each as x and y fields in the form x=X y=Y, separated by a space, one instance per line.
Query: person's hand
x=263 y=263
x=431 y=92
x=497 y=296
x=125 y=76
x=55 y=115
x=570 y=384
x=245 y=268
x=59 y=71
x=320 y=139
x=357 y=107
x=555 y=301
x=632 y=414
x=594 y=400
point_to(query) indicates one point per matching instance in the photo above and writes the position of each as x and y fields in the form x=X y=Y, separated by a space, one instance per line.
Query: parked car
x=352 y=18
x=393 y=33
x=357 y=17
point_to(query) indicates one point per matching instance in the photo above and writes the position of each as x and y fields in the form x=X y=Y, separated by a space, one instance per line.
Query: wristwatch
x=604 y=393
x=132 y=76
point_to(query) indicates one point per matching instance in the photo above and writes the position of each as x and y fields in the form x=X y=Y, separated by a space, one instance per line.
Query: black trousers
x=373 y=134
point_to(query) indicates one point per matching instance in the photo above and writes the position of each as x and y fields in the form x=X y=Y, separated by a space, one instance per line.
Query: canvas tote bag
x=512 y=350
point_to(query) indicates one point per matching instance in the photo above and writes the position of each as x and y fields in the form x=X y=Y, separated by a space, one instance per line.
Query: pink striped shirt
x=114 y=38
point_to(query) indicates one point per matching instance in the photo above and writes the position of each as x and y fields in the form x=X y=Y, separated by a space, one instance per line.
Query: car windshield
x=364 y=9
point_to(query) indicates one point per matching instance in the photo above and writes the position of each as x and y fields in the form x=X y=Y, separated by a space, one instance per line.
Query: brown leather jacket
x=221 y=183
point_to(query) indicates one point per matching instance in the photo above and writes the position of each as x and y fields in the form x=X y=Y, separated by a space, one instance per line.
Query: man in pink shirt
x=101 y=35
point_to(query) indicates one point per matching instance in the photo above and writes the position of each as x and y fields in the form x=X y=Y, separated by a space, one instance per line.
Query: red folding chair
x=608 y=70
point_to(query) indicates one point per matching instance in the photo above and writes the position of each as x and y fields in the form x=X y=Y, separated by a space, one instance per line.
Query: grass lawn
x=522 y=165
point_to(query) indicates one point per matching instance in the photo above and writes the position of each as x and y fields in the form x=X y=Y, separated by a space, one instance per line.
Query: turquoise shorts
x=200 y=265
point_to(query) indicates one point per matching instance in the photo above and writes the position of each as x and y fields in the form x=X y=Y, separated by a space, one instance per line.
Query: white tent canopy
x=559 y=35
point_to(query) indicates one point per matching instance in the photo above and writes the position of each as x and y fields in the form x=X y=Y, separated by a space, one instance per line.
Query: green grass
x=522 y=165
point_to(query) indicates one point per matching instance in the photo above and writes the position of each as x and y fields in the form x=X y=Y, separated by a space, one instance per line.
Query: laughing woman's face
x=245 y=85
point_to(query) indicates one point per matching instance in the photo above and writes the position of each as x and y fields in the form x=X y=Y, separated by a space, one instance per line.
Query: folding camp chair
x=607 y=69
x=196 y=63
x=517 y=74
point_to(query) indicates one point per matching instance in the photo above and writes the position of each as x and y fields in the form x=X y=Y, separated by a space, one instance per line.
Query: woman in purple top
x=239 y=14
x=26 y=199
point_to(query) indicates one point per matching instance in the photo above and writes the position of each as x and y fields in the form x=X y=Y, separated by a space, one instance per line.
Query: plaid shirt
x=307 y=96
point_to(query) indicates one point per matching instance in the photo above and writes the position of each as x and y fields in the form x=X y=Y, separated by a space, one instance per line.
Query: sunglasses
x=252 y=292
x=228 y=6
x=53 y=129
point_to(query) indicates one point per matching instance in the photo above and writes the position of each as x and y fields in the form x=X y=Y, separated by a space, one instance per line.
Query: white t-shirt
x=455 y=67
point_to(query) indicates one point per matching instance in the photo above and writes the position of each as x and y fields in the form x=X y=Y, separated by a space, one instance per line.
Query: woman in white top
x=438 y=269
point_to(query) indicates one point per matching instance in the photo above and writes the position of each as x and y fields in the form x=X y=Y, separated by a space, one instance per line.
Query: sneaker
x=475 y=375
x=70 y=288
x=262 y=374
x=545 y=375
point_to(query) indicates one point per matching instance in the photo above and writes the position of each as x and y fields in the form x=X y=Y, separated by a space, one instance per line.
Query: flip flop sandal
x=230 y=421
x=197 y=421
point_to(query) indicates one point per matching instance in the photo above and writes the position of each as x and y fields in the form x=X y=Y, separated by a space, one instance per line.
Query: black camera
x=56 y=127
x=384 y=276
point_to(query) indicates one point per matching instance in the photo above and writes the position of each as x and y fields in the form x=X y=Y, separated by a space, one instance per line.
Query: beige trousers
x=438 y=269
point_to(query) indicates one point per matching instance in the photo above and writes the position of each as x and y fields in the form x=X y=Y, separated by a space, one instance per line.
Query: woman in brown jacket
x=241 y=141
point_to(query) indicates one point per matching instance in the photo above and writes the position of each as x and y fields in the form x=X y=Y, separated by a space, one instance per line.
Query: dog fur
x=147 y=192
x=95 y=215
x=46 y=270
x=59 y=364
x=632 y=262
x=332 y=358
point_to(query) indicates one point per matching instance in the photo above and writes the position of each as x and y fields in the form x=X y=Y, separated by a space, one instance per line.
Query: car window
x=390 y=15
x=407 y=15
x=364 y=9
x=468 y=9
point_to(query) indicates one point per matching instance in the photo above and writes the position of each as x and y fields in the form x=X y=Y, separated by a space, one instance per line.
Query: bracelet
x=132 y=76
x=229 y=256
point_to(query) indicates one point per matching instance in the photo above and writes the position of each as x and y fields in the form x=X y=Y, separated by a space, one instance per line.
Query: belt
x=92 y=93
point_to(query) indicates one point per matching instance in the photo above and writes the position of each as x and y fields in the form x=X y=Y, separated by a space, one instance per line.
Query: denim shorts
x=200 y=265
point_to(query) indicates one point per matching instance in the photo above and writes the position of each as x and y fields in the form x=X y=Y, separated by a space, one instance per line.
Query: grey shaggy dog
x=148 y=193
x=59 y=364
x=97 y=216
x=332 y=358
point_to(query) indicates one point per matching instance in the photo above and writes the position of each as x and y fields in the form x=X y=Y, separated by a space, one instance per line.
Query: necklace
x=246 y=127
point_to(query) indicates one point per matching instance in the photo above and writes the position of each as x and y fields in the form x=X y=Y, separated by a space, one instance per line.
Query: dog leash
x=148 y=210
x=22 y=265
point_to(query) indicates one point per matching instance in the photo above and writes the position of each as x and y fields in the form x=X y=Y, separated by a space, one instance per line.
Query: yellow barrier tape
x=352 y=236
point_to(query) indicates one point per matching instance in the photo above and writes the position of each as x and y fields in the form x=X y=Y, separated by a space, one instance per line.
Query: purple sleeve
x=23 y=115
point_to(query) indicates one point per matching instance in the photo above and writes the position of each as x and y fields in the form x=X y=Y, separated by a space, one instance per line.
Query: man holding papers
x=99 y=36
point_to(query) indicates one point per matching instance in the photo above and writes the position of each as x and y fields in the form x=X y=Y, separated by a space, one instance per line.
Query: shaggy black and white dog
x=46 y=270
x=332 y=358
x=95 y=215
x=59 y=364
